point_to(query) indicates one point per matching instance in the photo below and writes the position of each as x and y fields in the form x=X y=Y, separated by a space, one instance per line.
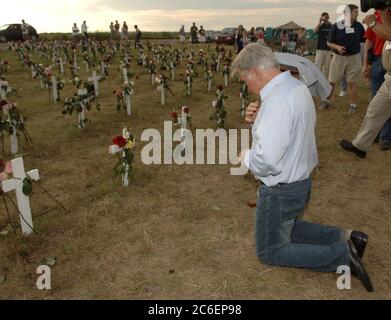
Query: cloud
x=166 y=15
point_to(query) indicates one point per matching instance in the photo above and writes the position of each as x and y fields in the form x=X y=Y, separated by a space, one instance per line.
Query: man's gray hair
x=252 y=56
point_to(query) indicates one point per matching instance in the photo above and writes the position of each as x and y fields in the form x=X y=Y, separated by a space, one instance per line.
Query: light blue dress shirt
x=284 y=145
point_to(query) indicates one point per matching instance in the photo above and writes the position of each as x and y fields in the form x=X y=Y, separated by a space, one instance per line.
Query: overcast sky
x=165 y=15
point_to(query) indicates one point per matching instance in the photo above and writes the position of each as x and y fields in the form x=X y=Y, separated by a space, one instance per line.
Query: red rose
x=220 y=87
x=186 y=110
x=119 y=141
x=174 y=115
x=3 y=103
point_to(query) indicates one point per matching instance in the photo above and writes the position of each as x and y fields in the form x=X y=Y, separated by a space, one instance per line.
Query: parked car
x=13 y=32
x=227 y=36
x=210 y=35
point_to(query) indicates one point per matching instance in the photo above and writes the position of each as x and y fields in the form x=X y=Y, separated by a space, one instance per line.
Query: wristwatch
x=372 y=24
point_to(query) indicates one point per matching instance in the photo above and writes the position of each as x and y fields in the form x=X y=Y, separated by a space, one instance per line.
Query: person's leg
x=352 y=90
x=319 y=59
x=326 y=65
x=276 y=215
x=385 y=135
x=312 y=233
x=379 y=111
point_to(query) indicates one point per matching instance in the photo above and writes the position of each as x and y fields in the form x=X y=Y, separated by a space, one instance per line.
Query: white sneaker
x=342 y=93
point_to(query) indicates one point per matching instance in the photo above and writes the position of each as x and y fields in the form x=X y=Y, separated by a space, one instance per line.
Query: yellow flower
x=129 y=145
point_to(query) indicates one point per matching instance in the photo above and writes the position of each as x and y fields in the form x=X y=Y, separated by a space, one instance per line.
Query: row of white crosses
x=16 y=183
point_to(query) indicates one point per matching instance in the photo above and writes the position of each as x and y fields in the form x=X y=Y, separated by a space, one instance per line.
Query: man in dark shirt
x=345 y=40
x=323 y=54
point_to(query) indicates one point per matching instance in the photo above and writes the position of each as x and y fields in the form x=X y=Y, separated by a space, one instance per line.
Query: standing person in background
x=137 y=36
x=182 y=35
x=112 y=31
x=116 y=28
x=25 y=31
x=379 y=109
x=193 y=33
x=125 y=30
x=261 y=36
x=84 y=30
x=252 y=35
x=347 y=60
x=201 y=37
x=240 y=38
x=323 y=53
x=374 y=70
x=75 y=31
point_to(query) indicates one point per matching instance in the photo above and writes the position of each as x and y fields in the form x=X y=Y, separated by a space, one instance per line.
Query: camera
x=374 y=4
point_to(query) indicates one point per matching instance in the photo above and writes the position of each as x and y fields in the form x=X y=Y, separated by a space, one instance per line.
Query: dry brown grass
x=122 y=244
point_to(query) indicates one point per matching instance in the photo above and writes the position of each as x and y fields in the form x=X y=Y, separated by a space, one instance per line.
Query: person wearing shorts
x=345 y=40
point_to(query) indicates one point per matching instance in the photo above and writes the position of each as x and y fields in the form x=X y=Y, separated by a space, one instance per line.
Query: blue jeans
x=377 y=79
x=283 y=239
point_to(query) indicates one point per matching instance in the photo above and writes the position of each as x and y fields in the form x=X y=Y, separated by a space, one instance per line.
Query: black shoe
x=348 y=146
x=360 y=241
x=385 y=145
x=357 y=268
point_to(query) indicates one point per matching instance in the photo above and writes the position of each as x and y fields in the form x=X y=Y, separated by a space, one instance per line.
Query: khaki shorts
x=350 y=66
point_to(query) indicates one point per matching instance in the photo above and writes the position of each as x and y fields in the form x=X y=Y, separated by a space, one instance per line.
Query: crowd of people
x=343 y=55
x=116 y=31
x=242 y=37
x=284 y=152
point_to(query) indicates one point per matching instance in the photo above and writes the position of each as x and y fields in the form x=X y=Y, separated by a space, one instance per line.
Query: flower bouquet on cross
x=127 y=89
x=245 y=96
x=162 y=83
x=124 y=146
x=219 y=113
x=81 y=102
x=11 y=121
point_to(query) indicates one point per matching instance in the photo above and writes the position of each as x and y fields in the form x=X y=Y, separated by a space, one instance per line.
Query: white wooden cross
x=153 y=78
x=189 y=85
x=102 y=68
x=75 y=66
x=82 y=125
x=61 y=64
x=87 y=66
x=13 y=137
x=183 y=122
x=54 y=87
x=128 y=101
x=41 y=82
x=162 y=90
x=172 y=71
x=95 y=78
x=16 y=183
x=209 y=81
x=225 y=79
x=125 y=74
x=33 y=73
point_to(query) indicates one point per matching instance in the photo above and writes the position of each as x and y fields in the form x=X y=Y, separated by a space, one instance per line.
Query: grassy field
x=178 y=232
